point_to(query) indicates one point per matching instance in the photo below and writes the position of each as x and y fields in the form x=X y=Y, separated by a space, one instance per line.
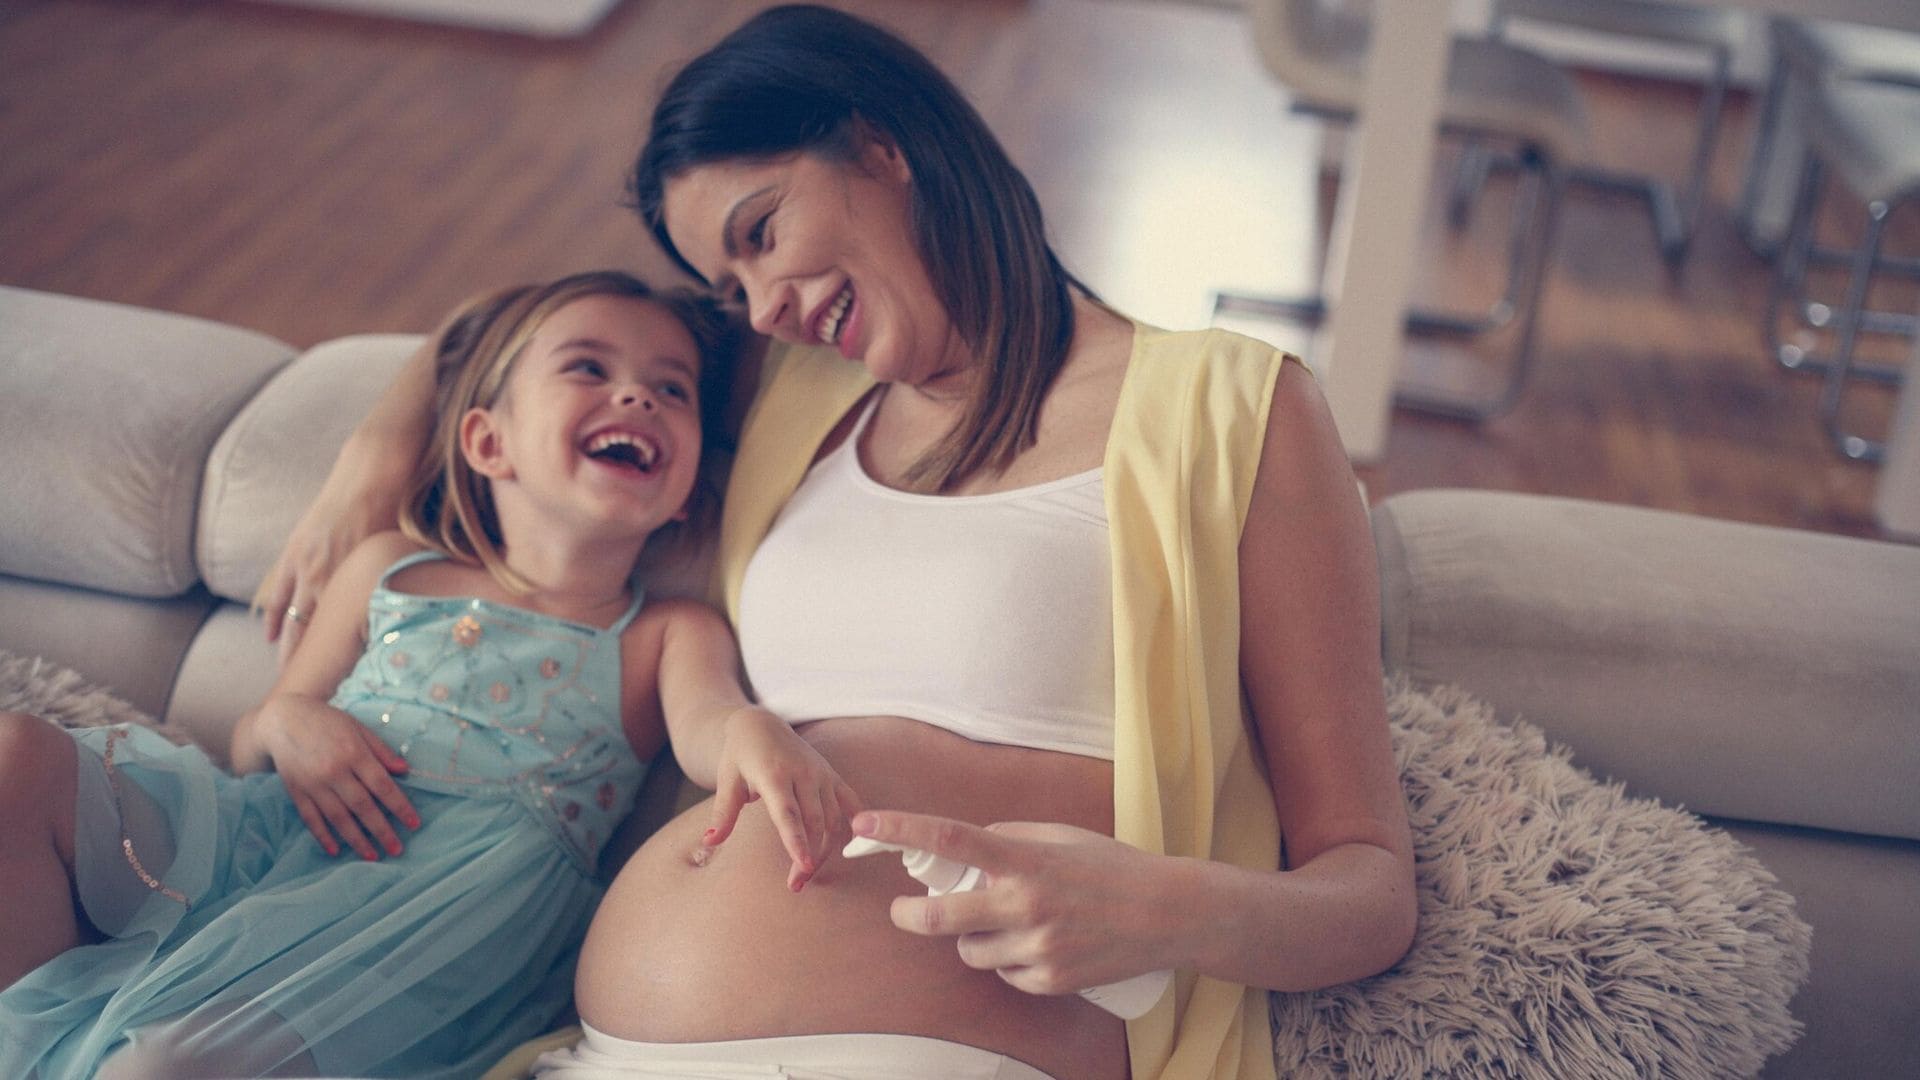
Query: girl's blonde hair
x=449 y=506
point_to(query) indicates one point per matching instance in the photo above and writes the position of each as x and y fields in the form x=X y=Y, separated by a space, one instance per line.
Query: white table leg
x=1896 y=495
x=1376 y=222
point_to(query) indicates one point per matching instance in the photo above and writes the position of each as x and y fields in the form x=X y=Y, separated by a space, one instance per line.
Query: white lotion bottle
x=1128 y=999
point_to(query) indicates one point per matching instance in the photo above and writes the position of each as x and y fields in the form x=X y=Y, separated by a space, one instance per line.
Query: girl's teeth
x=643 y=452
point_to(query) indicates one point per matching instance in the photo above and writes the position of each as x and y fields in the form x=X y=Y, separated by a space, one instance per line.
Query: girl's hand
x=762 y=759
x=1059 y=908
x=339 y=774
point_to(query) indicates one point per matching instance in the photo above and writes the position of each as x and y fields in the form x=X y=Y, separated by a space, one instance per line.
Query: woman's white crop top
x=990 y=616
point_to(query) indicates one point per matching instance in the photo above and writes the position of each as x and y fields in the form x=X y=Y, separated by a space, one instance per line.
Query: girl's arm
x=741 y=751
x=338 y=773
x=361 y=496
x=1068 y=909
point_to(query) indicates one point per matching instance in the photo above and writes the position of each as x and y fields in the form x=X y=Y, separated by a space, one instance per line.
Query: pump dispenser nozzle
x=1128 y=999
x=941 y=876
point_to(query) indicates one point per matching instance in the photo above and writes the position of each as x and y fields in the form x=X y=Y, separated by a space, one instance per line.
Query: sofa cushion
x=104 y=429
x=1860 y=894
x=1747 y=672
x=273 y=458
x=228 y=670
x=133 y=646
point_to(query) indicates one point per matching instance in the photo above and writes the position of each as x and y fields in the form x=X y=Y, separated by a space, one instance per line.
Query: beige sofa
x=1766 y=678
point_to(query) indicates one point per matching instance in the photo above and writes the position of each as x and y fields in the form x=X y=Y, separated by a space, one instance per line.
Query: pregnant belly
x=687 y=952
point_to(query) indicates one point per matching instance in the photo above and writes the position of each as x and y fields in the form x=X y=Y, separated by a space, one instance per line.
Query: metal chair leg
x=1850 y=445
x=1469 y=176
x=1790 y=264
x=1678 y=236
x=1674 y=212
x=1476 y=162
x=1546 y=213
x=1536 y=213
x=1787 y=291
x=1311 y=309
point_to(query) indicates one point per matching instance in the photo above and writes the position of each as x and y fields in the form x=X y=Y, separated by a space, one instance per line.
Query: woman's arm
x=361 y=496
x=1343 y=906
x=1310 y=662
x=1068 y=909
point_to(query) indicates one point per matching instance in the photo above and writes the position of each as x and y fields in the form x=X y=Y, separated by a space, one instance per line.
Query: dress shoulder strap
x=415 y=559
x=639 y=599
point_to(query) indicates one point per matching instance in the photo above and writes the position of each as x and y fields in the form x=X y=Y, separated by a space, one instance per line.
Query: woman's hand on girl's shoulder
x=361 y=496
x=354 y=506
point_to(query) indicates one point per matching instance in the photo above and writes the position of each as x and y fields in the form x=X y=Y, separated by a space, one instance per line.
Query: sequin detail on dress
x=483 y=697
x=114 y=738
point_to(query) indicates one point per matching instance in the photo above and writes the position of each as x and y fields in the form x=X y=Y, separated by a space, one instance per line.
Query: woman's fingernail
x=864 y=824
x=707 y=837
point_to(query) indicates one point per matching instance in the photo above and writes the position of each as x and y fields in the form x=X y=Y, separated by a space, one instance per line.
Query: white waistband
x=854 y=1056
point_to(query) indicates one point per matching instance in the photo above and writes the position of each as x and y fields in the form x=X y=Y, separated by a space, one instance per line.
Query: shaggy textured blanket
x=51 y=692
x=1566 y=930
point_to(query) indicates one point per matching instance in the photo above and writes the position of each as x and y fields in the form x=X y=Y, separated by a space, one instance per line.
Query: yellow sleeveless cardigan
x=1178 y=474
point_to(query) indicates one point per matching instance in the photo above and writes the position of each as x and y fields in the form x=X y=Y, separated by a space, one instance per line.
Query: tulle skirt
x=239 y=947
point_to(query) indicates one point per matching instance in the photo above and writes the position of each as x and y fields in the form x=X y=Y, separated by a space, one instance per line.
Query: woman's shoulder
x=1214 y=373
x=1211 y=347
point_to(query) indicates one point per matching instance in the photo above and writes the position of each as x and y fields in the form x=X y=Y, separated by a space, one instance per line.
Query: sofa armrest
x=1743 y=671
x=105 y=424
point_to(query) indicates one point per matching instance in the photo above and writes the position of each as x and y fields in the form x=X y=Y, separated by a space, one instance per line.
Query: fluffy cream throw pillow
x=1566 y=929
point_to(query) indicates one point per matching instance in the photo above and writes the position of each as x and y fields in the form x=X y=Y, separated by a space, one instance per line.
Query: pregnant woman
x=1081 y=602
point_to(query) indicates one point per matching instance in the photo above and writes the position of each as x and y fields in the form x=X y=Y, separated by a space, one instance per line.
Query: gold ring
x=295 y=615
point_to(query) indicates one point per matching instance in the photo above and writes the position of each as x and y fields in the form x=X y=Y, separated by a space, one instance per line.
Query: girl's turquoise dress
x=239 y=946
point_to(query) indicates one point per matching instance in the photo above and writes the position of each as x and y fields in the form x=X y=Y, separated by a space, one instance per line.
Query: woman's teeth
x=830 y=323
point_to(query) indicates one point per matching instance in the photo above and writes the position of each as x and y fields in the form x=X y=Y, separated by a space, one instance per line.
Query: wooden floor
x=311 y=175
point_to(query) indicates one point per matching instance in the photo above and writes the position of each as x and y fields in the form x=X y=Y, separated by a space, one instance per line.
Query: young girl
x=487 y=680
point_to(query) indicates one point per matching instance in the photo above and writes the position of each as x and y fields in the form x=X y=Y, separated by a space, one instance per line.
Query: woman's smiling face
x=823 y=253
